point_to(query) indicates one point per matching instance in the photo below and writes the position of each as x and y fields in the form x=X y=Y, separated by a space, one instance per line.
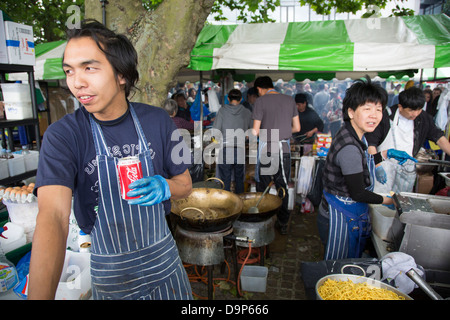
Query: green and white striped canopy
x=304 y=50
x=381 y=44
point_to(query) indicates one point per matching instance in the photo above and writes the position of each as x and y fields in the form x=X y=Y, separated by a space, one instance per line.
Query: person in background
x=171 y=107
x=334 y=112
x=133 y=254
x=191 y=96
x=428 y=97
x=320 y=100
x=230 y=120
x=183 y=107
x=300 y=88
x=252 y=95
x=432 y=108
x=276 y=114
x=310 y=122
x=349 y=174
x=404 y=128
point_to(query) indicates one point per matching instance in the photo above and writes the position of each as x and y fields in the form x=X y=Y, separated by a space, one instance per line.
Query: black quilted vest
x=333 y=180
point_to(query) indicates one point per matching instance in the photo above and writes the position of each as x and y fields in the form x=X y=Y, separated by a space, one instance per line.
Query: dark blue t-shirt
x=67 y=156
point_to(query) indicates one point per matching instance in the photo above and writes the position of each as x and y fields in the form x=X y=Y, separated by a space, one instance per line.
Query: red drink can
x=129 y=170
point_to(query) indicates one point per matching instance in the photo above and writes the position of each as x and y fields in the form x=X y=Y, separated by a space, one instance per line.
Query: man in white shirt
x=404 y=127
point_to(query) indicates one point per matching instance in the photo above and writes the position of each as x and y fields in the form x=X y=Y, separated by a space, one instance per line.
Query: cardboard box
x=20 y=43
x=3 y=51
x=424 y=183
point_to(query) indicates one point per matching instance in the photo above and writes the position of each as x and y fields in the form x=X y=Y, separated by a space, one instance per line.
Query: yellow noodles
x=347 y=290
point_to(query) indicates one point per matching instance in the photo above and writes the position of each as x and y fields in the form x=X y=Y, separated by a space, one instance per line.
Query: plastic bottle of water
x=25 y=150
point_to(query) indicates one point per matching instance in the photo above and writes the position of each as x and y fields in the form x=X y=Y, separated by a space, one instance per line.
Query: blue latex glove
x=390 y=206
x=380 y=174
x=151 y=190
x=400 y=156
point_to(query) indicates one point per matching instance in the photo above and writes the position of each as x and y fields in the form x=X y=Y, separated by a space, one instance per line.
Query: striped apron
x=349 y=223
x=133 y=253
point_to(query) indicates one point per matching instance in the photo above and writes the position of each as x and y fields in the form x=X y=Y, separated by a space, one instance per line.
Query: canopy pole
x=201 y=106
x=421 y=78
x=104 y=3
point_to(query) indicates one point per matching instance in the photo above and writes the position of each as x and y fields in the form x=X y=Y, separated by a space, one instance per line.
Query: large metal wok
x=269 y=206
x=207 y=210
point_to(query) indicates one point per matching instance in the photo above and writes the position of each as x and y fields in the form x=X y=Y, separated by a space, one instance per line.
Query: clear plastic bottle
x=25 y=150
x=8 y=274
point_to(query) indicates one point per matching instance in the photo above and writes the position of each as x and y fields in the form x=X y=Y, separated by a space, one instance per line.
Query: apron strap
x=261 y=146
x=143 y=145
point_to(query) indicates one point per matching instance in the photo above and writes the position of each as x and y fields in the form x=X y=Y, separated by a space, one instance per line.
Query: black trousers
x=264 y=180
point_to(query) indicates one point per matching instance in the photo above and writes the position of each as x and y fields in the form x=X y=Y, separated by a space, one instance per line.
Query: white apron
x=400 y=178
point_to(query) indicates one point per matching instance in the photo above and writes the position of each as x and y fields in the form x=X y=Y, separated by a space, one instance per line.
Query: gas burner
x=201 y=248
x=262 y=233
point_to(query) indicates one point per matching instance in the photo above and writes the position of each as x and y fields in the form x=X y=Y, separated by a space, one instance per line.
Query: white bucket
x=254 y=278
x=31 y=160
x=16 y=165
x=17 y=98
x=18 y=110
x=13 y=238
x=24 y=215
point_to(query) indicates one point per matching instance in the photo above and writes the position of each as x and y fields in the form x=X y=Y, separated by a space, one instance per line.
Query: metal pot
x=207 y=210
x=269 y=206
x=358 y=279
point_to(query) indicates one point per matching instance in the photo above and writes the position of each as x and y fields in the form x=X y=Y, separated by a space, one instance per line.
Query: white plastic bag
x=305 y=175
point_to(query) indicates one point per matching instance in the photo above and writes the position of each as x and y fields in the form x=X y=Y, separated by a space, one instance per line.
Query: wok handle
x=414 y=276
x=353 y=266
x=193 y=208
x=284 y=192
x=214 y=178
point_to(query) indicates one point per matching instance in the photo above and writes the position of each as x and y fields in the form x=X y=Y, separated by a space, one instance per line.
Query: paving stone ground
x=286 y=253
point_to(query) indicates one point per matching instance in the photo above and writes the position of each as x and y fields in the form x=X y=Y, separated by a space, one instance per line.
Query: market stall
x=309 y=50
x=384 y=47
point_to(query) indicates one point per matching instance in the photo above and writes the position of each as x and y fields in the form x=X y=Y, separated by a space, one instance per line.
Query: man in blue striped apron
x=349 y=175
x=133 y=254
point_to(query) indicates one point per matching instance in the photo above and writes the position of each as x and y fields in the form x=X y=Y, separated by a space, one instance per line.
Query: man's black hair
x=235 y=95
x=361 y=92
x=300 y=98
x=412 y=98
x=264 y=82
x=118 y=50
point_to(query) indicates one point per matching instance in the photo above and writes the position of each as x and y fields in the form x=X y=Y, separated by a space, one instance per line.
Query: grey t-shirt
x=349 y=163
x=275 y=111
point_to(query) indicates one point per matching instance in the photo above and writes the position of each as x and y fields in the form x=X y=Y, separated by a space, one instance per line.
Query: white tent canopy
x=337 y=49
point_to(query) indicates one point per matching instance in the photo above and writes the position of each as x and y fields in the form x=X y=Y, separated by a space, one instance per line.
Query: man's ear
x=121 y=79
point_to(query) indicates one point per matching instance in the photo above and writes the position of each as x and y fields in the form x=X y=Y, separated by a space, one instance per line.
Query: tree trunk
x=163 y=38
